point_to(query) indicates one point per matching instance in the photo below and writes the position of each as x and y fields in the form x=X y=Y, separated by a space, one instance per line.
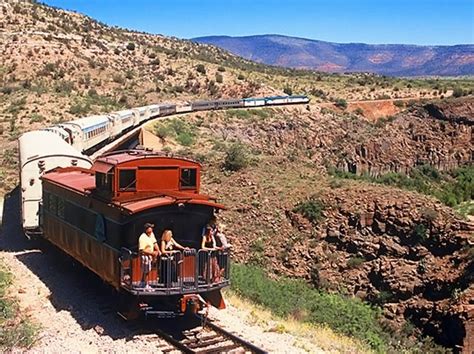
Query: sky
x=424 y=22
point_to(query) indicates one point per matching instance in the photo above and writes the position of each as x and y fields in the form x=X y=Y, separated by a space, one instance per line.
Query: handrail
x=179 y=271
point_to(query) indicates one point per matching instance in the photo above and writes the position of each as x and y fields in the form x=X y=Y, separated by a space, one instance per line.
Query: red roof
x=120 y=157
x=82 y=181
x=73 y=178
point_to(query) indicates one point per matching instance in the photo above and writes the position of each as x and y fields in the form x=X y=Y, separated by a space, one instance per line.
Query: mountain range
x=385 y=59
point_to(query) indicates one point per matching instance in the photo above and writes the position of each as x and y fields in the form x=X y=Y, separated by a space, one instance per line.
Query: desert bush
x=221 y=69
x=236 y=157
x=200 y=68
x=458 y=92
x=399 y=103
x=312 y=209
x=288 y=297
x=341 y=103
x=288 y=90
x=37 y=118
x=240 y=77
x=451 y=188
x=131 y=46
x=118 y=78
x=355 y=262
x=359 y=111
x=219 y=78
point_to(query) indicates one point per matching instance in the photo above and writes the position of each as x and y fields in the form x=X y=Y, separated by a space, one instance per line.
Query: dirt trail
x=72 y=305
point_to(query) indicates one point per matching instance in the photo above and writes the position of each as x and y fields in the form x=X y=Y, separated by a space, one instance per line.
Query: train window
x=127 y=180
x=103 y=181
x=188 y=178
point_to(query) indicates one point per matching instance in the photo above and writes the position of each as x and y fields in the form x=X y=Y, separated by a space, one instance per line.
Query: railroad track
x=207 y=338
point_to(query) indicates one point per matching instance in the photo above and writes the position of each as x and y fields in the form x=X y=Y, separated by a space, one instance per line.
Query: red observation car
x=97 y=215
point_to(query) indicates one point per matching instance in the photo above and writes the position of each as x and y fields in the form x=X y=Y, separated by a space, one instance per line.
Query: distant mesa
x=385 y=59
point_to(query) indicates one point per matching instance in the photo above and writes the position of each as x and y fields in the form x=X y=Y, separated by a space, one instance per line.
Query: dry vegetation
x=57 y=65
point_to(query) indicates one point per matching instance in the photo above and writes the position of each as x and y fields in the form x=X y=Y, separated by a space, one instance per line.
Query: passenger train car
x=88 y=133
x=41 y=151
x=96 y=215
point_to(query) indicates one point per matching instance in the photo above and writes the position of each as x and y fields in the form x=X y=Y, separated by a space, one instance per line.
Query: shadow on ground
x=73 y=288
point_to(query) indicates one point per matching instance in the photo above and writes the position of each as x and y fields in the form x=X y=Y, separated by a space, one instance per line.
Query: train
x=97 y=214
x=86 y=134
x=95 y=210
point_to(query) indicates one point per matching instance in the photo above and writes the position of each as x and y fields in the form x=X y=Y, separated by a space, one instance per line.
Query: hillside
x=385 y=59
x=57 y=65
x=295 y=210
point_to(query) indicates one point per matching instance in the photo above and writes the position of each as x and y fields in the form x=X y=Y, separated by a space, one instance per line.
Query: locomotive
x=97 y=214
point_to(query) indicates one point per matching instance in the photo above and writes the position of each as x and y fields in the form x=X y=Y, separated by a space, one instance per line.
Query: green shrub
x=355 y=262
x=420 y=232
x=186 y=138
x=341 y=103
x=15 y=331
x=311 y=209
x=399 y=103
x=458 y=92
x=236 y=157
x=451 y=188
x=200 y=68
x=359 y=111
x=162 y=130
x=289 y=297
x=131 y=46
x=288 y=90
x=37 y=118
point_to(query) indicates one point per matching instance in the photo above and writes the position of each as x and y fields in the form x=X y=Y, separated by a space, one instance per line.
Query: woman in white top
x=169 y=244
x=168 y=269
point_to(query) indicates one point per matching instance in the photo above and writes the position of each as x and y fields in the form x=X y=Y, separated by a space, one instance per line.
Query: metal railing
x=177 y=272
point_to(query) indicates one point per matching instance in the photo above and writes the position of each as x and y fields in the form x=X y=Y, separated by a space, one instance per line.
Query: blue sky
x=367 y=21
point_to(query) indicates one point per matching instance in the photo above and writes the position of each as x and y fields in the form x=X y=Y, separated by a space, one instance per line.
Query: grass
x=183 y=132
x=15 y=331
x=451 y=188
x=307 y=334
x=312 y=209
x=342 y=316
x=294 y=298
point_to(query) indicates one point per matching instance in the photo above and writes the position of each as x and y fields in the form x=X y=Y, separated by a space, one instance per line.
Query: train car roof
x=40 y=144
x=91 y=122
x=82 y=181
x=123 y=112
x=107 y=161
x=142 y=108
